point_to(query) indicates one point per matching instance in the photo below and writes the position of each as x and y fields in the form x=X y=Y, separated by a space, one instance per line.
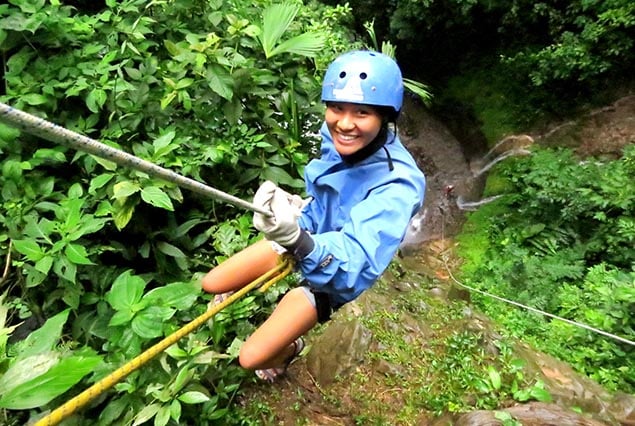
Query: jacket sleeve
x=348 y=261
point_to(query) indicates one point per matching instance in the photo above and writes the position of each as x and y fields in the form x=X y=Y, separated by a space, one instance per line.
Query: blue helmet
x=364 y=77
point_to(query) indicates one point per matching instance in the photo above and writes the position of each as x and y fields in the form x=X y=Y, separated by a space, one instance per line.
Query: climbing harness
x=45 y=129
x=64 y=411
x=529 y=308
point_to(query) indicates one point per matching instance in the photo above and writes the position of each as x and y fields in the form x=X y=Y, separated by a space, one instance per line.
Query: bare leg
x=272 y=343
x=241 y=269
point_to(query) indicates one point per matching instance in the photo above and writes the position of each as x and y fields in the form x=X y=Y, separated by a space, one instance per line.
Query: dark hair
x=387 y=113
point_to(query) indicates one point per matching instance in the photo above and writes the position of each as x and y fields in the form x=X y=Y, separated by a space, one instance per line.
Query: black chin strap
x=391 y=167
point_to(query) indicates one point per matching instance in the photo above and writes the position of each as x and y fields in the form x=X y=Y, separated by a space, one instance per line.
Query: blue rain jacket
x=358 y=216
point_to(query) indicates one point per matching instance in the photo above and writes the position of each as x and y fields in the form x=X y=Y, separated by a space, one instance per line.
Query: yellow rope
x=74 y=404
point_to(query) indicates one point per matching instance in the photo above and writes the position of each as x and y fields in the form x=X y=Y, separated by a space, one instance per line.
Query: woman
x=363 y=191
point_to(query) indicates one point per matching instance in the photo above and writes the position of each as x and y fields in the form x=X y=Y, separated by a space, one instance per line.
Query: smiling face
x=352 y=126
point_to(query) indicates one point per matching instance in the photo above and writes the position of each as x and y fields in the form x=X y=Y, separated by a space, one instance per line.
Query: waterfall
x=501 y=157
x=474 y=205
x=520 y=141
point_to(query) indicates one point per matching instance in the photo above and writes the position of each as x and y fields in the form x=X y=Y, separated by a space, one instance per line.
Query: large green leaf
x=99 y=181
x=176 y=295
x=193 y=397
x=88 y=225
x=126 y=291
x=72 y=212
x=219 y=81
x=96 y=100
x=146 y=414
x=125 y=189
x=64 y=268
x=121 y=317
x=44 y=338
x=122 y=212
x=44 y=265
x=27 y=369
x=41 y=229
x=77 y=254
x=278 y=175
x=170 y=250
x=275 y=22
x=155 y=196
x=57 y=380
x=307 y=44
x=149 y=322
x=29 y=248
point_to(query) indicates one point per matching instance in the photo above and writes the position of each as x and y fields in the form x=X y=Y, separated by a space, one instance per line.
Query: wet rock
x=440 y=155
x=601 y=132
x=482 y=326
x=532 y=414
x=568 y=388
x=458 y=293
x=388 y=368
x=622 y=407
x=438 y=292
x=445 y=420
x=338 y=350
x=403 y=286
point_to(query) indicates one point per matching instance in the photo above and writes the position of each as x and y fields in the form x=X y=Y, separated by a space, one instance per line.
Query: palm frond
x=370 y=29
x=307 y=44
x=275 y=21
x=418 y=89
x=388 y=49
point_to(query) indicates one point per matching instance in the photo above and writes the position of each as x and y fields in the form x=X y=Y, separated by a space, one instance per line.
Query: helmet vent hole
x=363 y=76
x=343 y=74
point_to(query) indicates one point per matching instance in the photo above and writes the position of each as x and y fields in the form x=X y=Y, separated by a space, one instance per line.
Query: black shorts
x=324 y=304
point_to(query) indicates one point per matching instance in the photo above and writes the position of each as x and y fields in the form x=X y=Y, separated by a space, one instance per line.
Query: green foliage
x=491 y=95
x=550 y=44
x=562 y=241
x=387 y=48
x=176 y=381
x=559 y=52
x=467 y=370
x=38 y=369
x=275 y=22
x=221 y=91
x=604 y=300
x=439 y=360
x=587 y=39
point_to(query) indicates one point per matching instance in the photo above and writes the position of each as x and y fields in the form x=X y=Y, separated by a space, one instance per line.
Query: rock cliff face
x=448 y=174
x=372 y=362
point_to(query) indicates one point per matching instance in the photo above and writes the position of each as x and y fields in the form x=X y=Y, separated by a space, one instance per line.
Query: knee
x=208 y=282
x=249 y=356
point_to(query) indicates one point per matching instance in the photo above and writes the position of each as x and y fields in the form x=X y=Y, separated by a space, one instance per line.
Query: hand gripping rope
x=54 y=133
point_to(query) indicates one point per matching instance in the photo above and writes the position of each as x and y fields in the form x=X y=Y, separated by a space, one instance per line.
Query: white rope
x=52 y=132
x=529 y=308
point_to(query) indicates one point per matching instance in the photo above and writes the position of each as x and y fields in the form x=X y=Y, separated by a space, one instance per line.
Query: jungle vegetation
x=100 y=262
